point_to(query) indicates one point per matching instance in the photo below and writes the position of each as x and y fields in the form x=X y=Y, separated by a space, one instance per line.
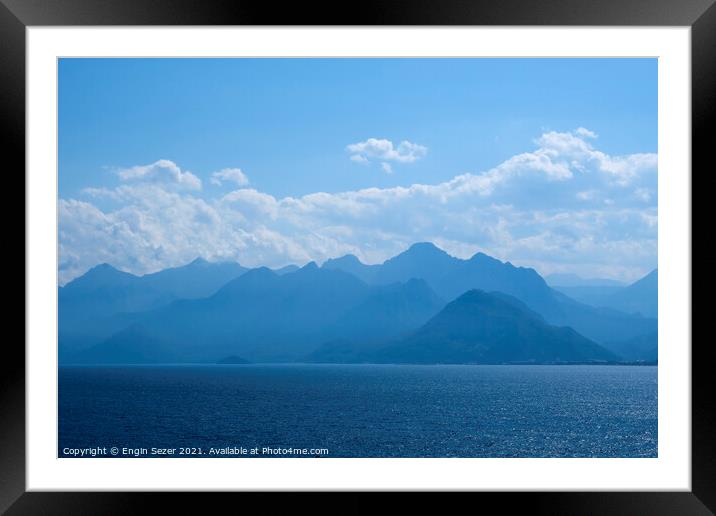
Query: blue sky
x=134 y=131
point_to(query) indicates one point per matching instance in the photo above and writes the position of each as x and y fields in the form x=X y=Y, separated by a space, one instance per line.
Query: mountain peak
x=478 y=297
x=103 y=270
x=310 y=266
x=198 y=261
x=103 y=267
x=480 y=327
x=348 y=259
x=260 y=271
x=482 y=257
x=424 y=247
x=352 y=265
x=286 y=269
x=421 y=252
x=102 y=275
x=651 y=279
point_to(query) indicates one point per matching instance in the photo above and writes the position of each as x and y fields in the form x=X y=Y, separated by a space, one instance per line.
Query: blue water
x=363 y=410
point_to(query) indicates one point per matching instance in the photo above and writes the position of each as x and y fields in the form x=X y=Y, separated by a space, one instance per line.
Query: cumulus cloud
x=164 y=172
x=384 y=150
x=231 y=175
x=563 y=206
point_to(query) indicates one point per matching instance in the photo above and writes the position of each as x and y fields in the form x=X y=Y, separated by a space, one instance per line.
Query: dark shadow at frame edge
x=12 y=364
x=703 y=453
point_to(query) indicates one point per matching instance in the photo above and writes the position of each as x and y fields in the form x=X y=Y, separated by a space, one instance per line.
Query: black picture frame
x=700 y=15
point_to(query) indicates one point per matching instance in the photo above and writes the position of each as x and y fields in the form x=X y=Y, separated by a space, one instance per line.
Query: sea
x=310 y=410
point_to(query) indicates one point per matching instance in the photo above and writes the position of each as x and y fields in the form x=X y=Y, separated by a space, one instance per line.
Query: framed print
x=442 y=249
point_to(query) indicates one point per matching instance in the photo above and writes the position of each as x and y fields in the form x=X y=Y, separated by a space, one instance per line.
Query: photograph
x=357 y=257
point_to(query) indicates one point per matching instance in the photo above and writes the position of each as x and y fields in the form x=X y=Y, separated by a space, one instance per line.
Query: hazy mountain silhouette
x=573 y=280
x=104 y=290
x=265 y=316
x=205 y=312
x=479 y=327
x=286 y=269
x=643 y=347
x=639 y=297
x=591 y=291
x=600 y=324
x=130 y=346
x=390 y=310
x=199 y=278
x=351 y=264
x=94 y=306
x=590 y=295
x=105 y=300
x=450 y=277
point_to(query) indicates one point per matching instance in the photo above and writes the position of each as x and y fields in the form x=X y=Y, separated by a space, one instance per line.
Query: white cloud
x=560 y=206
x=585 y=133
x=386 y=167
x=232 y=175
x=384 y=150
x=163 y=172
x=565 y=149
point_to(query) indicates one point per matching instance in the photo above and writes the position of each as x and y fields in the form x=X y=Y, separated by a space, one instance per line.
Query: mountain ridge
x=265 y=316
x=282 y=315
x=450 y=276
x=482 y=328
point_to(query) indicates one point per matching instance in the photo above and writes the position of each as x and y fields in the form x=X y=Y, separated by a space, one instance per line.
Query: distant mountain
x=483 y=328
x=104 y=299
x=591 y=295
x=600 y=324
x=422 y=260
x=390 y=310
x=199 y=278
x=450 y=277
x=641 y=348
x=286 y=269
x=352 y=265
x=640 y=297
x=573 y=280
x=130 y=346
x=264 y=316
x=205 y=312
x=99 y=303
x=104 y=290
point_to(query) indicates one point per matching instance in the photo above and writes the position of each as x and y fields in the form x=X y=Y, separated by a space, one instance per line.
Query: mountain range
x=638 y=298
x=478 y=328
x=105 y=300
x=422 y=305
x=449 y=277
